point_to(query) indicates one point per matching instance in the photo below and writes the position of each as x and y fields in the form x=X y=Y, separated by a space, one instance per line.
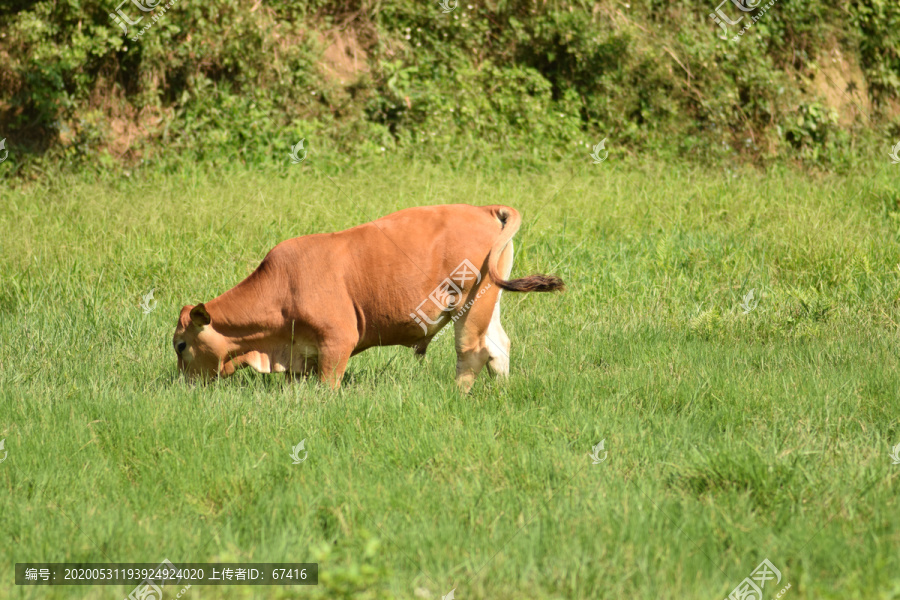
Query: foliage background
x=241 y=81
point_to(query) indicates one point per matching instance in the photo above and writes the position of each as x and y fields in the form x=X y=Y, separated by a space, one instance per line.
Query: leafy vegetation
x=230 y=81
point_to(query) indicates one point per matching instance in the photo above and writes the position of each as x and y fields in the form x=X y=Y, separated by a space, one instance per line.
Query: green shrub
x=226 y=81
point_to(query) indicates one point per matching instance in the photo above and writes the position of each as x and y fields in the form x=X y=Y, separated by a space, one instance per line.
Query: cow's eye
x=181 y=346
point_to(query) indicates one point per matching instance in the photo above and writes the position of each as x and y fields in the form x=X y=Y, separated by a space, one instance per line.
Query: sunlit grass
x=732 y=435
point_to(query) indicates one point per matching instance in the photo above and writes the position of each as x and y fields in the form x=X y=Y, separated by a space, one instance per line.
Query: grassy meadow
x=733 y=434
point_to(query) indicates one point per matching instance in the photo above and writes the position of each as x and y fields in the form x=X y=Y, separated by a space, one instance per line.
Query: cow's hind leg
x=472 y=351
x=471 y=356
x=498 y=343
x=421 y=348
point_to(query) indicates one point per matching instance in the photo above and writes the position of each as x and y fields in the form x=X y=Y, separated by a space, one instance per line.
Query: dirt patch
x=344 y=59
x=840 y=81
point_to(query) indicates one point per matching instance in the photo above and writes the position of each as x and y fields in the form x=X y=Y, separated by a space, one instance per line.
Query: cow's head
x=199 y=347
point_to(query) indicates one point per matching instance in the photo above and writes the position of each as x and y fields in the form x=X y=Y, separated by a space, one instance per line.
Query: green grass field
x=732 y=435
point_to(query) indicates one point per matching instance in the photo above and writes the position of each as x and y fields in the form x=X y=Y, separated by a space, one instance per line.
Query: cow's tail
x=511 y=220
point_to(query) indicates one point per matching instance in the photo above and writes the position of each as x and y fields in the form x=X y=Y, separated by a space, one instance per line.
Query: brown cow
x=317 y=300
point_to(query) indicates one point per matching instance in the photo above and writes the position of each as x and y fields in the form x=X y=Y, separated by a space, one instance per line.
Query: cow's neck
x=247 y=314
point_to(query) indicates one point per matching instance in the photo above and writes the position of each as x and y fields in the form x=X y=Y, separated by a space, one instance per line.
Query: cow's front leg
x=332 y=360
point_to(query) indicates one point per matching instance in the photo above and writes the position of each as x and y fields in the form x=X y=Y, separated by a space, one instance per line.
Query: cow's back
x=386 y=268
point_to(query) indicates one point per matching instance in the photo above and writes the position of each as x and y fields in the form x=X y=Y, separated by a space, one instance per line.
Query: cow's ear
x=199 y=316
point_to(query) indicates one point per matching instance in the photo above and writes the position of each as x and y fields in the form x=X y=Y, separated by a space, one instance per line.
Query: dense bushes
x=229 y=80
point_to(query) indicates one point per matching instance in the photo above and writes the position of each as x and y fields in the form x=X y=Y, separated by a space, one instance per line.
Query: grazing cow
x=317 y=300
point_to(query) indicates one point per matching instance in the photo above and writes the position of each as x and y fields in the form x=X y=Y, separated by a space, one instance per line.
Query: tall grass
x=732 y=436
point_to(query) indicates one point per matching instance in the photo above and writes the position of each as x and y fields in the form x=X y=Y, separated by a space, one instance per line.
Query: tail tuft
x=534 y=283
x=510 y=221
